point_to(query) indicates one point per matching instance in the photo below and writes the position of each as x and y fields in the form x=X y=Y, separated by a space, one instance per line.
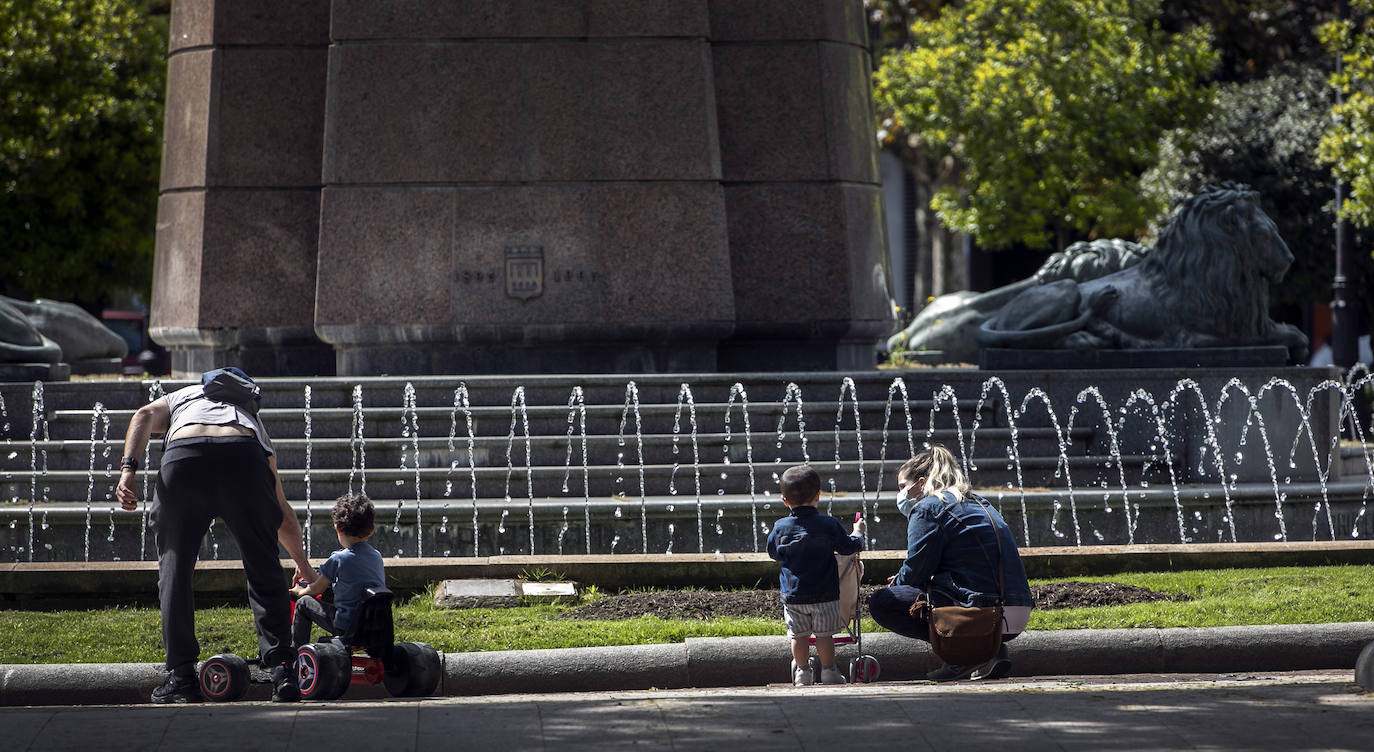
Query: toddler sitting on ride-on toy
x=351 y=571
x=359 y=619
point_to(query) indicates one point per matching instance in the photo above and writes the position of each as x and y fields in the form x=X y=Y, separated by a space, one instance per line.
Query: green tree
x=1265 y=133
x=1051 y=110
x=1348 y=145
x=1254 y=36
x=81 y=85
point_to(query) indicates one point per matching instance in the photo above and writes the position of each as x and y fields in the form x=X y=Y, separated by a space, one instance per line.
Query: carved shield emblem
x=524 y=271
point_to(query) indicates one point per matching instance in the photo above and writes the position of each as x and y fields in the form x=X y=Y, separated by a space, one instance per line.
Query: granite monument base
x=743 y=355
x=565 y=357
x=35 y=372
x=276 y=351
x=998 y=359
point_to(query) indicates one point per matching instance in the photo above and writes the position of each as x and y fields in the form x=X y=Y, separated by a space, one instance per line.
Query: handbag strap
x=1001 y=580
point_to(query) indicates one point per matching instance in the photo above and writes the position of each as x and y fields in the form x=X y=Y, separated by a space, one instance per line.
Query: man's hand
x=128 y=497
x=860 y=527
x=891 y=579
x=306 y=574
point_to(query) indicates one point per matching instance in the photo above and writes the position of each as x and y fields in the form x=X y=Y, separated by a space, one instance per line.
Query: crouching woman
x=955 y=541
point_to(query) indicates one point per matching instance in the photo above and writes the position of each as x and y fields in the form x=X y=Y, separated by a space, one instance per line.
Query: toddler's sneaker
x=802 y=677
x=832 y=675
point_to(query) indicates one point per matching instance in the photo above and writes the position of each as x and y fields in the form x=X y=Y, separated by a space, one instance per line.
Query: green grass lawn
x=1286 y=595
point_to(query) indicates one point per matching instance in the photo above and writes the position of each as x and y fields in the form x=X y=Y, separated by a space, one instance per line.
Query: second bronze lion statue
x=1205 y=284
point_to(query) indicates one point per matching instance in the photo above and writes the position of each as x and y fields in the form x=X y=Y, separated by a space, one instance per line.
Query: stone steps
x=391 y=482
x=506 y=493
x=603 y=420
x=537 y=389
x=602 y=450
x=67 y=531
x=501 y=410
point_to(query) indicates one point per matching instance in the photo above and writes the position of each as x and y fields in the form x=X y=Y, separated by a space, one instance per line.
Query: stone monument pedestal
x=434 y=187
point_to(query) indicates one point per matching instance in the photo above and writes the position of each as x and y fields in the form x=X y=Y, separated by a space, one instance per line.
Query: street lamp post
x=1344 y=311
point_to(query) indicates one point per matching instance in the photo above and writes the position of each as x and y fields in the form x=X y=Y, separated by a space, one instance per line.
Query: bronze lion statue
x=1205 y=284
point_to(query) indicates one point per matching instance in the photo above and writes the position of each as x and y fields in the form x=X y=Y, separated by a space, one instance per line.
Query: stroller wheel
x=864 y=669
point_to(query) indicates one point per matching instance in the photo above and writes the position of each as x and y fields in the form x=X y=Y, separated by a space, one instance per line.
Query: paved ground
x=1288 y=711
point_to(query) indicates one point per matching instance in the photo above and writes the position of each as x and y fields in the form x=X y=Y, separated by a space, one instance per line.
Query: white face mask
x=904 y=504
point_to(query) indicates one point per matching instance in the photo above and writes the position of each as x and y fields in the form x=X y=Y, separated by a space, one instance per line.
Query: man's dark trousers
x=229 y=478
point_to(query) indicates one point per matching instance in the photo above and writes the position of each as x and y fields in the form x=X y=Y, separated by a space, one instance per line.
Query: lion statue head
x=1215 y=260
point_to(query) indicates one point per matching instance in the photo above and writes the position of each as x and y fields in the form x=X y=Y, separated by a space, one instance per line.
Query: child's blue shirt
x=351 y=571
x=805 y=543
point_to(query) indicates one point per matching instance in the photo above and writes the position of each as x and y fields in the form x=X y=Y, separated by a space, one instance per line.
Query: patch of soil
x=1085 y=594
x=764 y=604
x=688 y=604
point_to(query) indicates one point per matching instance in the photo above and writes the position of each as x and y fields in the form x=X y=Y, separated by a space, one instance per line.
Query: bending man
x=218 y=461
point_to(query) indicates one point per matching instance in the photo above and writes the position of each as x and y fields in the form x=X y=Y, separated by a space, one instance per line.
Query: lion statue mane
x=1205 y=284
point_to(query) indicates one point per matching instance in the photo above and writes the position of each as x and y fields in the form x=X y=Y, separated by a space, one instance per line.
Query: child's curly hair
x=353 y=515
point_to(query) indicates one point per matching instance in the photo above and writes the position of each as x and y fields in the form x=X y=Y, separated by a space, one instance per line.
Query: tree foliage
x=892 y=19
x=1265 y=133
x=81 y=85
x=1254 y=36
x=1348 y=145
x=1052 y=108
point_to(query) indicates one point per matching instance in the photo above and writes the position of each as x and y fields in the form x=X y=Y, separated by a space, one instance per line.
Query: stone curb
x=752 y=661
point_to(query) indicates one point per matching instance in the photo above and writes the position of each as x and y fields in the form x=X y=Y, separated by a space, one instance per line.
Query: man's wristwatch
x=129 y=463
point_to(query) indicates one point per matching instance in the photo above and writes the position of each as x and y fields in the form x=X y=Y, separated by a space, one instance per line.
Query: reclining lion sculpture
x=1206 y=284
x=950 y=322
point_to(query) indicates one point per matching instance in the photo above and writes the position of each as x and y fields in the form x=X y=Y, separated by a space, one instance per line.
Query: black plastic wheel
x=864 y=669
x=323 y=670
x=346 y=680
x=413 y=670
x=224 y=678
x=1364 y=668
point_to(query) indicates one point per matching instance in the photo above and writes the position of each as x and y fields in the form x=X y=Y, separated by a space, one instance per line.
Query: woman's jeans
x=891 y=608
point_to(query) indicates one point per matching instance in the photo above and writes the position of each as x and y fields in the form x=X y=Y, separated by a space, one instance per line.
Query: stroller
x=862 y=668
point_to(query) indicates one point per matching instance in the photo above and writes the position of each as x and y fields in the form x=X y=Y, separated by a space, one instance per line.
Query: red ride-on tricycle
x=327 y=669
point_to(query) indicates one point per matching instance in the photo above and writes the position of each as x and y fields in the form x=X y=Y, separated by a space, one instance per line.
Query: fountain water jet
x=737 y=390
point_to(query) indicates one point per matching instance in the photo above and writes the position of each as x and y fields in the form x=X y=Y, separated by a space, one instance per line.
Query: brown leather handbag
x=966 y=636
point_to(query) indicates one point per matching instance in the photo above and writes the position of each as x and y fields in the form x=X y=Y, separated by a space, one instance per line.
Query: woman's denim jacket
x=951 y=551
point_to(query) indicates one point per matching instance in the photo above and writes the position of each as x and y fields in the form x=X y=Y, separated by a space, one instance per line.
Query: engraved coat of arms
x=524 y=271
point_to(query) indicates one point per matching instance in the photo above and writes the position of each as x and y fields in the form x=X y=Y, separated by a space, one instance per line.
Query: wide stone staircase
x=598 y=464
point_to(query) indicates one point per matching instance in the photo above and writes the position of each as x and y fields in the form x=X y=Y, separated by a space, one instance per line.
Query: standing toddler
x=805 y=543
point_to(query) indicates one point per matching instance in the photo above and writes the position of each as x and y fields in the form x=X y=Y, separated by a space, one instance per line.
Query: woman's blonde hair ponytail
x=940 y=469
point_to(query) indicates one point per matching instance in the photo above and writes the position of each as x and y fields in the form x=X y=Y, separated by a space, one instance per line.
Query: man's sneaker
x=832 y=675
x=802 y=677
x=178 y=688
x=998 y=667
x=284 y=684
x=951 y=672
